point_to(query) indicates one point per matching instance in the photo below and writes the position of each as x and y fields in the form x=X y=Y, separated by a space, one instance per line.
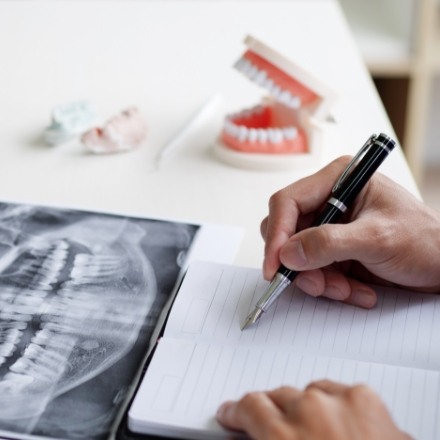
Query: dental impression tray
x=287 y=128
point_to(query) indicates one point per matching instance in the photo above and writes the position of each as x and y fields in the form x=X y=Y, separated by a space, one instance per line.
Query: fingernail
x=363 y=298
x=294 y=253
x=222 y=410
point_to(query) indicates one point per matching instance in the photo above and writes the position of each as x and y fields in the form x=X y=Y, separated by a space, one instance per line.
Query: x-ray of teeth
x=80 y=295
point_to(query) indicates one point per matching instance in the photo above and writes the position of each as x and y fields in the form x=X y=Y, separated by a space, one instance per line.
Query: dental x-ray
x=80 y=295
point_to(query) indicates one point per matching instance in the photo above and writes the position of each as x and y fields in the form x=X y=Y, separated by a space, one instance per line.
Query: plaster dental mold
x=68 y=121
x=124 y=132
x=286 y=128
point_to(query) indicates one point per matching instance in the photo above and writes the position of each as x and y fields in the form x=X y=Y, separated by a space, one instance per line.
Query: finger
x=284 y=396
x=255 y=414
x=328 y=386
x=302 y=198
x=326 y=244
x=263 y=228
x=335 y=285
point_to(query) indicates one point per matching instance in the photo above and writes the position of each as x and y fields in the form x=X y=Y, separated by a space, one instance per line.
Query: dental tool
x=206 y=111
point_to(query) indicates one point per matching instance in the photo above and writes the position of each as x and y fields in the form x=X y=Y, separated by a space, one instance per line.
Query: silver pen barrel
x=274 y=290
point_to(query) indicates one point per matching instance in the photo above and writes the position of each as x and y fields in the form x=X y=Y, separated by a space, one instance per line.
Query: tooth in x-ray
x=75 y=290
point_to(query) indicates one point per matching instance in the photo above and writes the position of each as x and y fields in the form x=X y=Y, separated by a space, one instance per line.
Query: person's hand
x=389 y=237
x=324 y=410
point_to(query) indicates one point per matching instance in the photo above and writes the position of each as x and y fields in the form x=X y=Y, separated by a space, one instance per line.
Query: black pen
x=345 y=191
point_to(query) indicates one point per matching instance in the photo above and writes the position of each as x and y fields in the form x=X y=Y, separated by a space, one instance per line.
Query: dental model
x=287 y=125
x=124 y=132
x=68 y=121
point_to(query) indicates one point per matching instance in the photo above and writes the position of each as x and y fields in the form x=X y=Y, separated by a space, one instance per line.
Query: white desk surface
x=166 y=57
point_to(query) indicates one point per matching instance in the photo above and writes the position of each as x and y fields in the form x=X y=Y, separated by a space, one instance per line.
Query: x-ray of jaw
x=76 y=289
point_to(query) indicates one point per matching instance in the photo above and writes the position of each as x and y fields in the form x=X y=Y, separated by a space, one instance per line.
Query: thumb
x=323 y=245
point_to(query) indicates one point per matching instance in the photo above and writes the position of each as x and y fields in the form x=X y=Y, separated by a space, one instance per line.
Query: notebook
x=82 y=294
x=204 y=358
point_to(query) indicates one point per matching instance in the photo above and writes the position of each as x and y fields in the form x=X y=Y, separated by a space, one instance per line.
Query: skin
x=324 y=410
x=388 y=237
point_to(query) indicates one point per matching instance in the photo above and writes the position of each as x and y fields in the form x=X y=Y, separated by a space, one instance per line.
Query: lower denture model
x=286 y=125
x=124 y=132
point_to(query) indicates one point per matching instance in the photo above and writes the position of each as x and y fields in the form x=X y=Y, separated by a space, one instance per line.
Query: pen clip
x=354 y=161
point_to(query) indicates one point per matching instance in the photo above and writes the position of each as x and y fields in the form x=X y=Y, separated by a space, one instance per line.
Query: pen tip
x=252 y=318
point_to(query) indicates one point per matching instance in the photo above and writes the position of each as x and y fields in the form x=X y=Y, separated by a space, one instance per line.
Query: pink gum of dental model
x=271 y=127
x=260 y=130
x=284 y=81
x=124 y=132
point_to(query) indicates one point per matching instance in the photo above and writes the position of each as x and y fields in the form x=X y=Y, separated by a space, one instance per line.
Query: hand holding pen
x=383 y=238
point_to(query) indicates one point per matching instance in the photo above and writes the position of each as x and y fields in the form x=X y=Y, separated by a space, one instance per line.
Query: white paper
x=205 y=359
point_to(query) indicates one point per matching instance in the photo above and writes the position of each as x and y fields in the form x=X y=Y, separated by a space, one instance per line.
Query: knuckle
x=249 y=400
x=276 y=198
x=283 y=389
x=383 y=233
x=360 y=393
x=313 y=397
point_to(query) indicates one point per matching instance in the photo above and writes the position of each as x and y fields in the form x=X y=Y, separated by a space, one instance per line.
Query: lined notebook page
x=403 y=328
x=204 y=358
x=187 y=382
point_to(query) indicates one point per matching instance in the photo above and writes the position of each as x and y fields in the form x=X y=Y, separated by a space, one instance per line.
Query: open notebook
x=204 y=358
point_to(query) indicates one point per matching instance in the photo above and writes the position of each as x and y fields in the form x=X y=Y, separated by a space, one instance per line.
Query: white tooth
x=18 y=309
x=81 y=260
x=268 y=84
x=295 y=102
x=34 y=351
x=8 y=296
x=41 y=337
x=15 y=316
x=62 y=343
x=247 y=67
x=253 y=135
x=13 y=335
x=279 y=135
x=39 y=372
x=19 y=379
x=262 y=135
x=228 y=127
x=276 y=92
x=234 y=130
x=2 y=360
x=19 y=366
x=243 y=133
x=290 y=132
x=37 y=294
x=275 y=136
x=239 y=64
x=6 y=349
x=286 y=97
x=261 y=77
x=13 y=325
x=63 y=245
x=253 y=72
x=29 y=300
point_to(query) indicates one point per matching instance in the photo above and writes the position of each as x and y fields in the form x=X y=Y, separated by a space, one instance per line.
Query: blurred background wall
x=400 y=42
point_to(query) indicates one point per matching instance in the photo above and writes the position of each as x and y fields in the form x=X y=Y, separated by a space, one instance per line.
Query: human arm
x=388 y=237
x=324 y=410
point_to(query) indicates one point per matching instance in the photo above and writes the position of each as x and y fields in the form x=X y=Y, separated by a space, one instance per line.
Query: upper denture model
x=284 y=123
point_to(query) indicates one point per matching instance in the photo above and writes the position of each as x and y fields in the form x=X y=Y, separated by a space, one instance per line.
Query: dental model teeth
x=266 y=138
x=283 y=123
x=69 y=120
x=123 y=132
